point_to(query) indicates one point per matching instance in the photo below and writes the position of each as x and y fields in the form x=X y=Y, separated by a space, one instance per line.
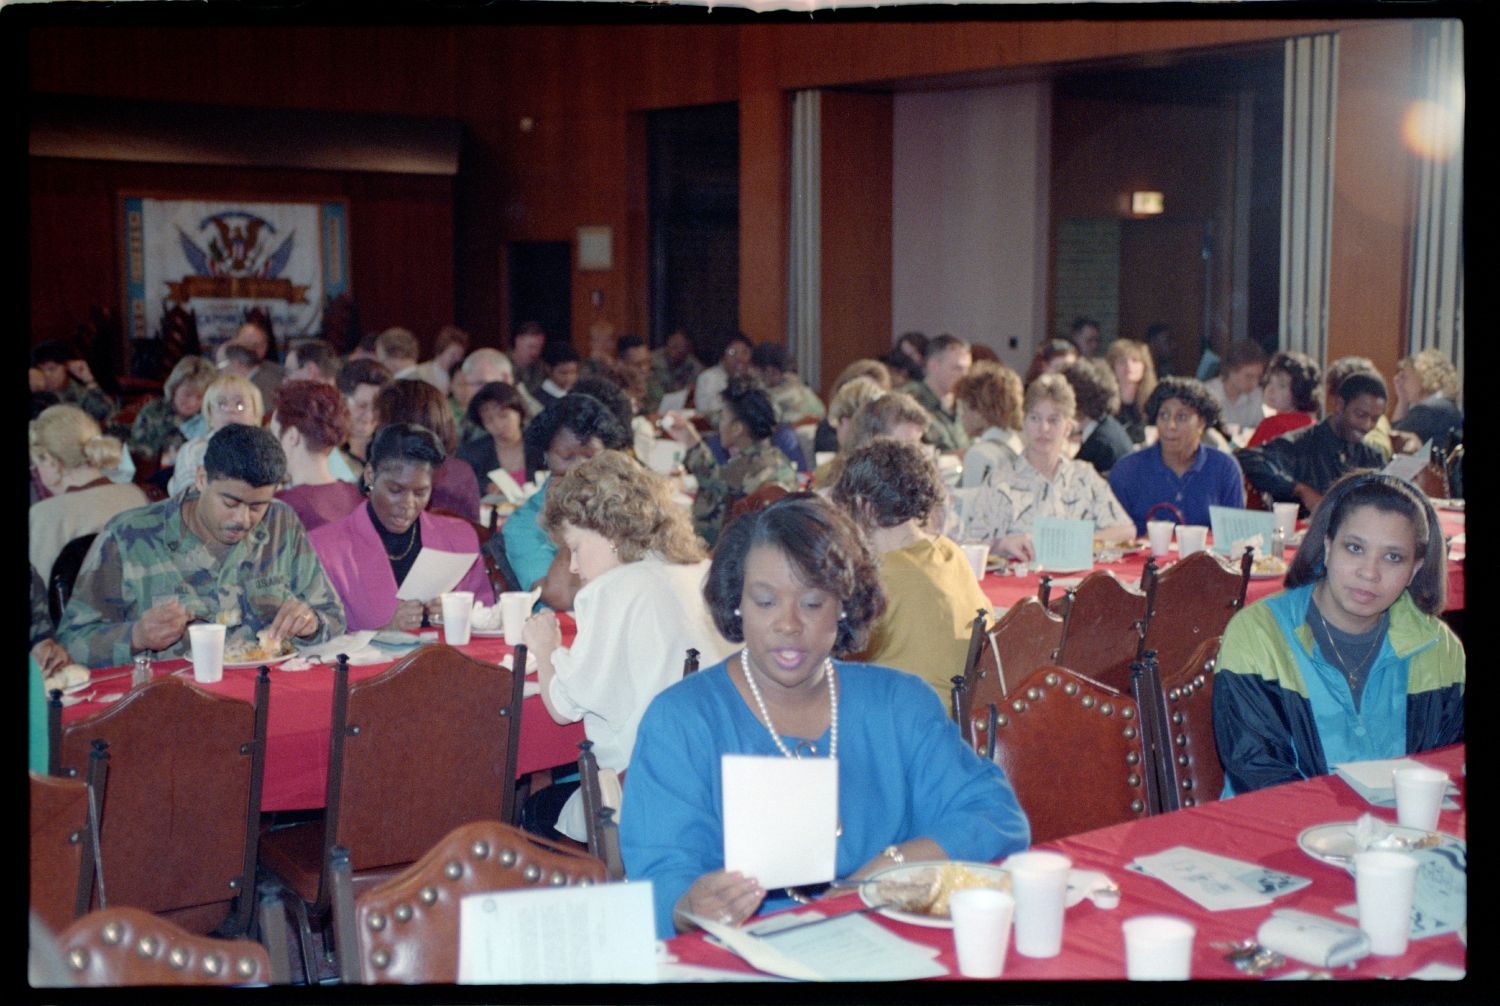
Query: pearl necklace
x=760 y=704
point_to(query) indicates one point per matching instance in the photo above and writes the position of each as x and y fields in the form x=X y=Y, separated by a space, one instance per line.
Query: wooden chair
x=414 y=752
x=64 y=837
x=1189 y=602
x=498 y=580
x=1190 y=767
x=179 y=817
x=604 y=833
x=64 y=572
x=129 y=946
x=406 y=929
x=964 y=683
x=1025 y=638
x=1101 y=634
x=1072 y=749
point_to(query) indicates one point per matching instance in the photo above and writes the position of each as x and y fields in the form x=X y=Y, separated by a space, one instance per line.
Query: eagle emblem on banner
x=236 y=254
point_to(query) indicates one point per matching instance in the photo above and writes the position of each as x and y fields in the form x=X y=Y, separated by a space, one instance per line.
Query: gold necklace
x=410 y=541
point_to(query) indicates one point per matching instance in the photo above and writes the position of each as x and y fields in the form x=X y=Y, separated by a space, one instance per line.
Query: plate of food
x=1113 y=549
x=1266 y=567
x=245 y=653
x=918 y=893
x=1336 y=844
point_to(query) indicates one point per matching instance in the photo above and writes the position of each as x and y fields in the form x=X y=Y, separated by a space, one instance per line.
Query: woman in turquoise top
x=1352 y=661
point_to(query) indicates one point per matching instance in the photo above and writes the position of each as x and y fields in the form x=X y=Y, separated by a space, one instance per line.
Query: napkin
x=1312 y=939
x=1372 y=780
x=1217 y=883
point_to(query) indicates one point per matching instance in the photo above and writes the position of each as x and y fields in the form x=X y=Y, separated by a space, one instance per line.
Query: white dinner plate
x=1334 y=843
x=1267 y=576
x=869 y=891
x=269 y=662
x=487 y=633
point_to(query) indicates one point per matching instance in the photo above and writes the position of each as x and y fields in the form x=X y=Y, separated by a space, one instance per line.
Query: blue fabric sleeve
x=527 y=546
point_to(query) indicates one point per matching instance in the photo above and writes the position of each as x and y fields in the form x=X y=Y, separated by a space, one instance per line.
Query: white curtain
x=1437 y=294
x=1306 y=191
x=804 y=319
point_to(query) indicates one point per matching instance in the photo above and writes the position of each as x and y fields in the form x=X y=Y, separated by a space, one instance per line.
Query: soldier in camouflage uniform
x=945 y=360
x=674 y=365
x=794 y=400
x=225 y=551
x=166 y=423
x=746 y=424
x=66 y=374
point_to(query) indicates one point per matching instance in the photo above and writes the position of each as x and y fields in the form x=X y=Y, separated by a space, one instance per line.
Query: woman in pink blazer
x=369 y=552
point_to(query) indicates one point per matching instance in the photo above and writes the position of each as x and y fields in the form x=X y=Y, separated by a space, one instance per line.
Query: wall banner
x=218 y=259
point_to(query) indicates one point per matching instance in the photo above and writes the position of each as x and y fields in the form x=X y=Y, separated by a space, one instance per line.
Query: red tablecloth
x=1257 y=827
x=302 y=704
x=1006 y=591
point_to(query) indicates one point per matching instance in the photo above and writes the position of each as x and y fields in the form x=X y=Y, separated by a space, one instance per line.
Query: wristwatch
x=894 y=854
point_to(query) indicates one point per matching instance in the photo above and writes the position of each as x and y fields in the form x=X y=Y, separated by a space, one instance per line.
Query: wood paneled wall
x=576 y=165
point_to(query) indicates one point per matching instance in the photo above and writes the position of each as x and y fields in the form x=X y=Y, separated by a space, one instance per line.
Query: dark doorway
x=1164 y=277
x=694 y=167
x=540 y=285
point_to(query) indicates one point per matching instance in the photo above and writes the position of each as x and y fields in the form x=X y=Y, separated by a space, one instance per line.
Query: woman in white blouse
x=640 y=608
x=1042 y=481
x=989 y=405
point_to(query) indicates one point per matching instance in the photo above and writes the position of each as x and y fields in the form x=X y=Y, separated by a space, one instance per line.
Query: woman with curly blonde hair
x=230 y=398
x=989 y=399
x=638 y=612
x=1427 y=397
x=1136 y=374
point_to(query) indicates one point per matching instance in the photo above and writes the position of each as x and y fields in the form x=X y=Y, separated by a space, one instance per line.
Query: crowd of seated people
x=301 y=495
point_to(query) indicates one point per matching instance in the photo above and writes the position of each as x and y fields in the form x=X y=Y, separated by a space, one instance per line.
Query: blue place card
x=1231 y=524
x=1062 y=545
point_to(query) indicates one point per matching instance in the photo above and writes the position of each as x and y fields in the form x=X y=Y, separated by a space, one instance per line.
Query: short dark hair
x=1302 y=371
x=1367 y=487
x=319 y=352
x=825 y=548
x=241 y=354
x=1342 y=368
x=888 y=482
x=1095 y=388
x=52 y=351
x=497 y=392
x=450 y=335
x=1238 y=354
x=396 y=443
x=362 y=371
x=628 y=342
x=558 y=352
x=314 y=409
x=770 y=354
x=1190 y=392
x=941 y=344
x=1362 y=382
x=249 y=454
x=751 y=406
x=414 y=401
x=609 y=393
x=582 y=415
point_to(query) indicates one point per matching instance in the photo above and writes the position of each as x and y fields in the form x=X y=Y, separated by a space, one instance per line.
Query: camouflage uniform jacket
x=795 y=401
x=944 y=431
x=146 y=556
x=91 y=400
x=157 y=428
x=674 y=378
x=720 y=486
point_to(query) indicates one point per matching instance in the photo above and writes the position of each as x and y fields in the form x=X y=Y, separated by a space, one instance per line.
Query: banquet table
x=296 y=769
x=1260 y=827
x=1005 y=590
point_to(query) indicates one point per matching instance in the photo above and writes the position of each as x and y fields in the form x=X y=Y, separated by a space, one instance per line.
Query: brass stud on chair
x=1175 y=694
x=78 y=959
x=245 y=967
x=213 y=964
x=402 y=913
x=453 y=870
x=1187 y=784
x=1177 y=718
x=1033 y=693
x=532 y=873
x=585 y=881
x=1051 y=679
x=1182 y=760
x=377 y=921
x=558 y=878
x=1018 y=706
x=1002 y=720
x=1106 y=708
x=1088 y=702
x=1129 y=733
x=428 y=895
x=1071 y=688
x=1180 y=740
x=1127 y=712
x=146 y=946
x=1132 y=758
x=480 y=848
x=1199 y=681
x=381 y=958
x=507 y=857
x=112 y=933
x=1189 y=802
x=1133 y=779
x=1137 y=806
x=177 y=958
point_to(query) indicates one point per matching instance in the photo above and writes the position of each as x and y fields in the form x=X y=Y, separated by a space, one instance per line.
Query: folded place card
x=1061 y=544
x=435 y=572
x=1231 y=525
x=780 y=818
x=1217 y=883
x=600 y=933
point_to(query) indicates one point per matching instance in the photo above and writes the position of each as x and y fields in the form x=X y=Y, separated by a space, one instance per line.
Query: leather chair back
x=406 y=929
x=1102 y=624
x=1189 y=602
x=129 y=946
x=59 y=839
x=1073 y=751
x=1191 y=767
